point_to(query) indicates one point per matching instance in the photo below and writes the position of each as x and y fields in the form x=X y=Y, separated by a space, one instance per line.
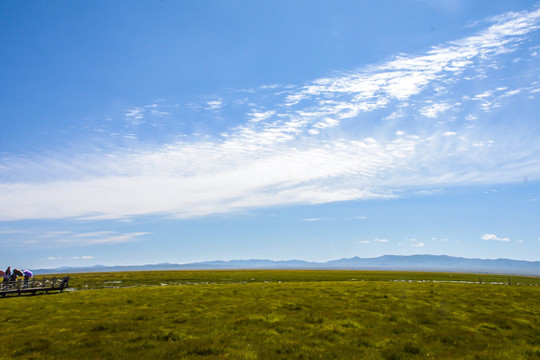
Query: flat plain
x=277 y=314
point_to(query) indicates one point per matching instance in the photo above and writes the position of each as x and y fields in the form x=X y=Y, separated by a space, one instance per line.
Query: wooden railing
x=34 y=286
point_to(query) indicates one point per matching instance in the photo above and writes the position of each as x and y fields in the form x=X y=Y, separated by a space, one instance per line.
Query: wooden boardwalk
x=33 y=286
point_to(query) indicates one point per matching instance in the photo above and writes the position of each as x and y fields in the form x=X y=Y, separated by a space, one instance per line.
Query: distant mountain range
x=440 y=263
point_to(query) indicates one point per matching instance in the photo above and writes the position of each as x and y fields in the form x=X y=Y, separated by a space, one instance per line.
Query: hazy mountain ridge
x=441 y=263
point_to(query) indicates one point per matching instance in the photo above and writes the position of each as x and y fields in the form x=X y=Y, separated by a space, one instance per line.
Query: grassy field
x=159 y=278
x=277 y=315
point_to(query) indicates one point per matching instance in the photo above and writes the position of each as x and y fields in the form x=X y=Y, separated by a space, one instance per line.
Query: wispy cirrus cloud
x=432 y=111
x=51 y=238
x=102 y=237
x=135 y=114
x=214 y=104
x=409 y=122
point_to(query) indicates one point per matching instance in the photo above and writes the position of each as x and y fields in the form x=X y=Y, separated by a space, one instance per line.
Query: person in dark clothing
x=16 y=273
x=7 y=275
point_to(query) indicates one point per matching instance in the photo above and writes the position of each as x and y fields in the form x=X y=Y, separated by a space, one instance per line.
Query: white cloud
x=511 y=93
x=396 y=115
x=406 y=76
x=363 y=241
x=52 y=258
x=104 y=237
x=257 y=116
x=135 y=114
x=12 y=232
x=492 y=237
x=326 y=123
x=432 y=111
x=418 y=244
x=215 y=104
x=380 y=240
x=272 y=86
x=159 y=113
x=39 y=238
x=204 y=179
x=251 y=169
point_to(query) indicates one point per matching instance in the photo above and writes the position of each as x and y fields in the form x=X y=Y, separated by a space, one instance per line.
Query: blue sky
x=180 y=131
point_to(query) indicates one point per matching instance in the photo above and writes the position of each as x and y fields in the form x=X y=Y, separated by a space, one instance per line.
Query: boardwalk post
x=19 y=282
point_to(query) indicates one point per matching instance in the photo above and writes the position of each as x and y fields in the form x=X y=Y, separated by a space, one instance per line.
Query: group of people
x=11 y=276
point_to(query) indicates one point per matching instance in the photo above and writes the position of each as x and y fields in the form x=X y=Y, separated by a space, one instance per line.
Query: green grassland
x=277 y=315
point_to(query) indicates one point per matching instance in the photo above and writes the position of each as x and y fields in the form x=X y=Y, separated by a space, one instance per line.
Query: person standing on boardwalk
x=7 y=275
x=27 y=275
x=15 y=274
